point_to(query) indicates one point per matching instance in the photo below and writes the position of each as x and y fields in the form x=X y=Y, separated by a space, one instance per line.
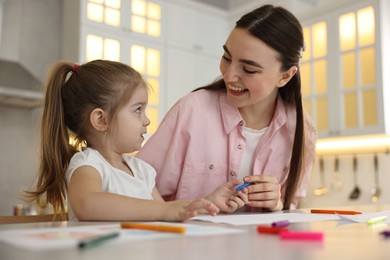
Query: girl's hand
x=181 y=210
x=264 y=193
x=227 y=199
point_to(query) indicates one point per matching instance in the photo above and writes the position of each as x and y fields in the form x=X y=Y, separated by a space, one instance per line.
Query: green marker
x=97 y=240
x=376 y=220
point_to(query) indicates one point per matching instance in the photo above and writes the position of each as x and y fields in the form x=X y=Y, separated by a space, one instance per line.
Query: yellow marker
x=376 y=220
x=154 y=227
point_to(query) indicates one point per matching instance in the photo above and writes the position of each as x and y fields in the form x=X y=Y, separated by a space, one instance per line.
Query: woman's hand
x=264 y=193
x=226 y=198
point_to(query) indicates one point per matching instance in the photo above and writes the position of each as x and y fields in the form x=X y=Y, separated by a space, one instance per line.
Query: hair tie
x=75 y=66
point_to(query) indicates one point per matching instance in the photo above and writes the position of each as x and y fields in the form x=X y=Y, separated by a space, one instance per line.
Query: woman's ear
x=287 y=75
x=99 y=120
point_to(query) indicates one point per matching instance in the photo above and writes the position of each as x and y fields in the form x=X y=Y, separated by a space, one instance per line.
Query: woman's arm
x=165 y=151
x=266 y=190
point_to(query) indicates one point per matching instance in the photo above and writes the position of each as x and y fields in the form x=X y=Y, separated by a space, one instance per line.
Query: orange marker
x=335 y=211
x=154 y=227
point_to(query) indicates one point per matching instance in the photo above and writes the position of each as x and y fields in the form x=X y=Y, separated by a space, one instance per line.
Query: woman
x=248 y=125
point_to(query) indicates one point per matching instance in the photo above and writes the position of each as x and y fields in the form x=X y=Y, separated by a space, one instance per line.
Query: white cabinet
x=194 y=38
x=196 y=27
x=188 y=70
x=189 y=44
x=345 y=86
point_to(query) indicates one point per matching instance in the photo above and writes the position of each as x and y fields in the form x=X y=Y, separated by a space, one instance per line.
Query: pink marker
x=295 y=235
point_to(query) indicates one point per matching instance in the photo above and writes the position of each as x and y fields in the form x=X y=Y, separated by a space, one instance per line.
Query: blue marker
x=246 y=184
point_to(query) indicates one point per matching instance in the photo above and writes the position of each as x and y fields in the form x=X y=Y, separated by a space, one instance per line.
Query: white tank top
x=252 y=137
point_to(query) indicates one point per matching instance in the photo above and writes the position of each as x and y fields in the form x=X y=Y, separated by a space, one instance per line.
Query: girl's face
x=132 y=122
x=251 y=70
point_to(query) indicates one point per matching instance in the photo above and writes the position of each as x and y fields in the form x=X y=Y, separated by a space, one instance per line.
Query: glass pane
x=351 y=110
x=138 y=7
x=114 y=3
x=153 y=63
x=307 y=107
x=347 y=26
x=137 y=58
x=154 y=92
x=306 y=34
x=111 y=50
x=367 y=61
x=95 y=12
x=97 y=1
x=305 y=79
x=152 y=114
x=366 y=26
x=319 y=40
x=320 y=77
x=154 y=11
x=370 y=113
x=138 y=24
x=154 y=28
x=322 y=114
x=94 y=47
x=112 y=17
x=349 y=70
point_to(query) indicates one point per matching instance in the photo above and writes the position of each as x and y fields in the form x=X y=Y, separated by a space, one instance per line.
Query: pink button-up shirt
x=200 y=143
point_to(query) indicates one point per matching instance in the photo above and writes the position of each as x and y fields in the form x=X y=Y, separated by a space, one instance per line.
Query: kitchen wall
x=31 y=39
x=19 y=134
x=341 y=184
x=18 y=154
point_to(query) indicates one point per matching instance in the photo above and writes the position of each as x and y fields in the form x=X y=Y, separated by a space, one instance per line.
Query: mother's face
x=251 y=70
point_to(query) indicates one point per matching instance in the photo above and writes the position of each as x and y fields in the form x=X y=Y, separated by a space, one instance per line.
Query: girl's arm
x=90 y=203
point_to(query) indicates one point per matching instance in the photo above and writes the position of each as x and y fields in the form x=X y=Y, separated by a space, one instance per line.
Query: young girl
x=102 y=104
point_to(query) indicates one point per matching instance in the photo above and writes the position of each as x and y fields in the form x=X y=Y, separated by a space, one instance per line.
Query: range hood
x=18 y=87
x=20 y=97
x=30 y=40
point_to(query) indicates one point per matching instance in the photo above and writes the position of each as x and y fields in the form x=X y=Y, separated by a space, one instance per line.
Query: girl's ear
x=287 y=75
x=99 y=120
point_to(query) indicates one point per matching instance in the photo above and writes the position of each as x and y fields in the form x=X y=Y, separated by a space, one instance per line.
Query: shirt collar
x=231 y=117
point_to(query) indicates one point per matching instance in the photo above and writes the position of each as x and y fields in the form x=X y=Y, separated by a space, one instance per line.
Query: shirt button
x=239 y=147
x=211 y=166
x=232 y=173
x=285 y=169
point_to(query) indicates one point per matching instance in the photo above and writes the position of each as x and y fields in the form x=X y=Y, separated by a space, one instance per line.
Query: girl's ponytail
x=55 y=150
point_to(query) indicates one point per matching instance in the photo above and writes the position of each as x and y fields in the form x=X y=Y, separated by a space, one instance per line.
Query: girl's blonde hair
x=72 y=92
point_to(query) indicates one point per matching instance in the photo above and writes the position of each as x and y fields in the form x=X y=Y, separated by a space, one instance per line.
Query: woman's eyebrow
x=249 y=62
x=226 y=49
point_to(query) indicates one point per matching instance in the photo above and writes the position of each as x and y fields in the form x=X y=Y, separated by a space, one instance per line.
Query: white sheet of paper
x=69 y=237
x=268 y=218
x=366 y=216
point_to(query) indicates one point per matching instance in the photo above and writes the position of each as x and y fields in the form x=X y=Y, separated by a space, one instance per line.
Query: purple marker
x=282 y=223
x=386 y=233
